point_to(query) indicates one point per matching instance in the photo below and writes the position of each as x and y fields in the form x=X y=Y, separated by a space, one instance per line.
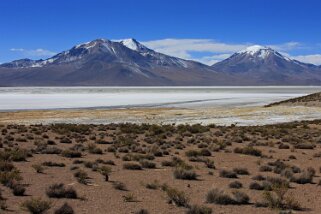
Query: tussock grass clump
x=304 y=177
x=218 y=196
x=65 y=209
x=119 y=186
x=16 y=155
x=39 y=168
x=65 y=128
x=235 y=185
x=248 y=150
x=81 y=176
x=259 y=178
x=147 y=164
x=241 y=171
x=18 y=189
x=197 y=209
x=256 y=186
x=177 y=197
x=132 y=166
x=65 y=140
x=284 y=146
x=196 y=153
x=53 y=164
x=71 y=154
x=6 y=166
x=277 y=199
x=108 y=162
x=304 y=146
x=59 y=191
x=129 y=197
x=265 y=168
x=142 y=211
x=240 y=197
x=153 y=185
x=7 y=178
x=93 y=149
x=209 y=163
x=227 y=174
x=36 y=205
x=184 y=173
x=276 y=181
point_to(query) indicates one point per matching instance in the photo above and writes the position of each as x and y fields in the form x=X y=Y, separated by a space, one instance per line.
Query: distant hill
x=265 y=66
x=102 y=62
x=312 y=100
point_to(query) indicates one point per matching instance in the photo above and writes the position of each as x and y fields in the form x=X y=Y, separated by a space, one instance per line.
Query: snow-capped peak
x=132 y=44
x=255 y=49
x=91 y=44
x=258 y=50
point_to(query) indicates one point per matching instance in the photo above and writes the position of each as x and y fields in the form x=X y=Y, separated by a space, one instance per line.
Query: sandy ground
x=220 y=116
x=100 y=196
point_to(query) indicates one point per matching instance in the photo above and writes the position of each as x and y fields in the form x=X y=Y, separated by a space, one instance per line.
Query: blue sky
x=203 y=30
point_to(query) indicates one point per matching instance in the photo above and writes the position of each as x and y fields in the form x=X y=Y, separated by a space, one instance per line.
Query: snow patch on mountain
x=260 y=51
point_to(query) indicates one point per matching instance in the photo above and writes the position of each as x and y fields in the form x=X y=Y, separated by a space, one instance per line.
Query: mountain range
x=127 y=62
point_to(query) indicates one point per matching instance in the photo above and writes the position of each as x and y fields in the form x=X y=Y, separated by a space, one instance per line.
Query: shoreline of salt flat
x=245 y=116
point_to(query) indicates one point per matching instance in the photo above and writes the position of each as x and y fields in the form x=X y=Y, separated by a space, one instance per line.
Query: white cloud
x=183 y=48
x=34 y=52
x=288 y=46
x=210 y=60
x=213 y=50
x=313 y=59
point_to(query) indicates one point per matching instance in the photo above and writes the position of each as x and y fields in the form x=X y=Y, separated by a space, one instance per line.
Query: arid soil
x=128 y=168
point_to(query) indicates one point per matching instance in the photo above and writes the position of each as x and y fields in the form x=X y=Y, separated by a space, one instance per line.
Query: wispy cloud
x=210 y=60
x=183 y=48
x=288 y=46
x=213 y=51
x=34 y=52
x=313 y=59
